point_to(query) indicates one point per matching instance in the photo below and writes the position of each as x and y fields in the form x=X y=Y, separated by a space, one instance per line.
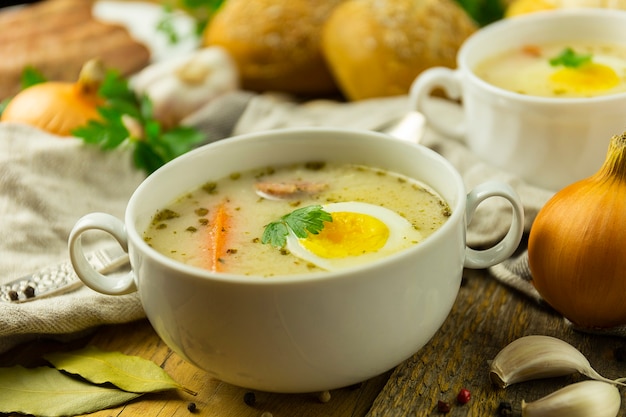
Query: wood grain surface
x=486 y=317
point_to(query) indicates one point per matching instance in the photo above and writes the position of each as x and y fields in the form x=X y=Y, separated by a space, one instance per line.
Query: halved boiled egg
x=587 y=79
x=359 y=233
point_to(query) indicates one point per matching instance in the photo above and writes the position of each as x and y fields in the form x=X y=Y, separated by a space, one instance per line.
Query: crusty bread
x=275 y=43
x=57 y=37
x=377 y=48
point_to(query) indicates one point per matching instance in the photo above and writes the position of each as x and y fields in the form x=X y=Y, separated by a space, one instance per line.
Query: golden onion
x=577 y=246
x=59 y=107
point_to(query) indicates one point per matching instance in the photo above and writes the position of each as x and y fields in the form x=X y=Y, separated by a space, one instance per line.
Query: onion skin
x=59 y=107
x=577 y=246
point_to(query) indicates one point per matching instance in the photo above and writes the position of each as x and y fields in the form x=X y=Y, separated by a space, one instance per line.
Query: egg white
x=401 y=235
x=616 y=63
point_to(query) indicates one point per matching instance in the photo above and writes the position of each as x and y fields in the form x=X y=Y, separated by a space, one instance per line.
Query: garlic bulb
x=582 y=399
x=180 y=86
x=576 y=246
x=535 y=357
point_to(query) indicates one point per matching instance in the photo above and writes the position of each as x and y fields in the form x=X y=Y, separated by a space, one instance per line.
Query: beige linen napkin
x=48 y=182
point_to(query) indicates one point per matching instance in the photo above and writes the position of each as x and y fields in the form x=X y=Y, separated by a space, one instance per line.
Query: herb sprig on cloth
x=128 y=118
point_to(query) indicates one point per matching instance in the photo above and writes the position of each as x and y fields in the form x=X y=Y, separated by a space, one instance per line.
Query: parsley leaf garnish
x=127 y=118
x=301 y=221
x=569 y=58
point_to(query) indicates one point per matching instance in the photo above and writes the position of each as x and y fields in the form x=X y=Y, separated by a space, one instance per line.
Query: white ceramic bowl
x=550 y=142
x=309 y=332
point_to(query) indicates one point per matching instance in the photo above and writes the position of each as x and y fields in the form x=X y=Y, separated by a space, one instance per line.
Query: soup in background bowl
x=548 y=141
x=299 y=332
x=558 y=69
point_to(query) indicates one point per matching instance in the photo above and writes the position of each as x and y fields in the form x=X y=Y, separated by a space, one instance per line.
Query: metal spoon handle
x=60 y=278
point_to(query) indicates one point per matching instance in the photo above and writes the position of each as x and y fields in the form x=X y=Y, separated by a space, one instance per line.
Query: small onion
x=59 y=107
x=577 y=246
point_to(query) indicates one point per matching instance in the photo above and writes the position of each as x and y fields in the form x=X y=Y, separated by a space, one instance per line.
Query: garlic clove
x=582 y=399
x=538 y=356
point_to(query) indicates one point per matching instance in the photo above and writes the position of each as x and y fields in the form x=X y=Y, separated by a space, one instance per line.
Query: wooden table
x=486 y=317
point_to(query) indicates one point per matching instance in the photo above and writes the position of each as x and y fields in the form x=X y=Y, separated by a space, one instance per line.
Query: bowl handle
x=478 y=259
x=111 y=285
x=450 y=81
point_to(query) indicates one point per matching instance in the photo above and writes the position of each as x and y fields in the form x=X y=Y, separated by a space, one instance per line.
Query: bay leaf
x=46 y=391
x=130 y=373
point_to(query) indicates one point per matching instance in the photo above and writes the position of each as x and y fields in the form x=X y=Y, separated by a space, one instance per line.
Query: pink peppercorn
x=464 y=396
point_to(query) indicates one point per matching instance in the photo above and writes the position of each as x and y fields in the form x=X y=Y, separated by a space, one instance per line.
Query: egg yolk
x=349 y=234
x=588 y=78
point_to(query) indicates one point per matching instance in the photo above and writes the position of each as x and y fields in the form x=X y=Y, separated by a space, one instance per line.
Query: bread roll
x=377 y=48
x=275 y=43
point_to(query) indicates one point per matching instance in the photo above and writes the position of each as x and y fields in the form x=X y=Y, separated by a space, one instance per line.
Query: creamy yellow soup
x=573 y=69
x=245 y=223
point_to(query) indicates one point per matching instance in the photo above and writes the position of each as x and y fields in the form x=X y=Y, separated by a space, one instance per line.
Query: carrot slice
x=218 y=231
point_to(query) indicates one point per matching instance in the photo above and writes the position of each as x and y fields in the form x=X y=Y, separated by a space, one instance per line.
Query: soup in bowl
x=541 y=94
x=316 y=327
x=307 y=217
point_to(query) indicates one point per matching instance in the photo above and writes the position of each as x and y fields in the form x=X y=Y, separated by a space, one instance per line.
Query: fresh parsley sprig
x=200 y=10
x=570 y=59
x=128 y=118
x=483 y=11
x=302 y=221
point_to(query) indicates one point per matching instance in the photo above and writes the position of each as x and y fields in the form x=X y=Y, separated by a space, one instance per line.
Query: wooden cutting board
x=56 y=37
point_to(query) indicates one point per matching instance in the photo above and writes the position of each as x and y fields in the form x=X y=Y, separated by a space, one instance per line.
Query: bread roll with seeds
x=275 y=43
x=376 y=48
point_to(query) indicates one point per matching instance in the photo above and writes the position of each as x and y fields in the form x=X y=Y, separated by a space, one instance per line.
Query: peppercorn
x=464 y=396
x=324 y=396
x=249 y=398
x=505 y=409
x=443 y=407
x=29 y=292
x=192 y=407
